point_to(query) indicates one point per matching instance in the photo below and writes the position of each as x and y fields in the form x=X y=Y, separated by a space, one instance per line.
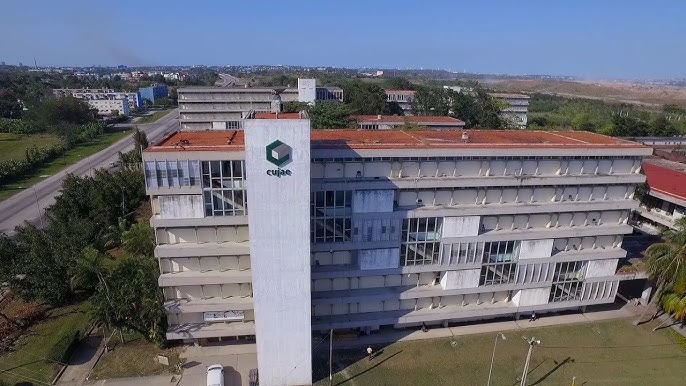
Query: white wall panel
x=461 y=226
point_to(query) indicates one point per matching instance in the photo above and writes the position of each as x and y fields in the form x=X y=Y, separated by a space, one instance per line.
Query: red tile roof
x=666 y=177
x=411 y=118
x=399 y=139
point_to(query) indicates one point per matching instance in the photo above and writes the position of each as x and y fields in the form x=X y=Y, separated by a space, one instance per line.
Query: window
x=420 y=241
x=499 y=262
x=174 y=173
x=462 y=253
x=568 y=281
x=224 y=188
x=330 y=213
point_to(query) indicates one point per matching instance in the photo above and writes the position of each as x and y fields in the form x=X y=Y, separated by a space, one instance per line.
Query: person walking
x=369 y=353
x=533 y=316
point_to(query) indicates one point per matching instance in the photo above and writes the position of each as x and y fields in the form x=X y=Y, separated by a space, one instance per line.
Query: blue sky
x=592 y=39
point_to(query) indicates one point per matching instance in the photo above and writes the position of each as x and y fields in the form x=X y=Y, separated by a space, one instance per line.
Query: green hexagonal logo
x=278 y=153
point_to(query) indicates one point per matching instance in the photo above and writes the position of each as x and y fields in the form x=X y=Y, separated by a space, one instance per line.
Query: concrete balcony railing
x=233 y=303
x=204 y=278
x=210 y=330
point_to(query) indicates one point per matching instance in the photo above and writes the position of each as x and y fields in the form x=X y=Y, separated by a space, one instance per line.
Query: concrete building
x=133 y=98
x=403 y=98
x=223 y=108
x=666 y=197
x=517 y=107
x=389 y=122
x=276 y=231
x=109 y=105
x=154 y=92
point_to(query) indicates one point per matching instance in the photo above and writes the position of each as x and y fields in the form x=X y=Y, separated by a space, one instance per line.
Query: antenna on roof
x=465 y=137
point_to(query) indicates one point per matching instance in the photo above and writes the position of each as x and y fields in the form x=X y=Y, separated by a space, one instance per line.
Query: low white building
x=109 y=106
x=133 y=98
x=666 y=197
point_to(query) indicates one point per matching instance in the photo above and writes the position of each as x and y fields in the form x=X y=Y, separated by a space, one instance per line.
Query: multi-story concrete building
x=665 y=201
x=276 y=230
x=154 y=92
x=389 y=122
x=133 y=98
x=224 y=108
x=403 y=98
x=517 y=107
x=109 y=105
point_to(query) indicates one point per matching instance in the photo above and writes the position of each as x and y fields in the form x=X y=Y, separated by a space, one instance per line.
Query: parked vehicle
x=215 y=375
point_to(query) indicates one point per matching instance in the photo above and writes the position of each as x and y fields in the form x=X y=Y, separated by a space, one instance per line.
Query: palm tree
x=89 y=269
x=667 y=260
x=674 y=304
x=138 y=240
x=114 y=233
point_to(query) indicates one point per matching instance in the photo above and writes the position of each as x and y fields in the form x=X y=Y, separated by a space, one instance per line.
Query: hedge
x=65 y=345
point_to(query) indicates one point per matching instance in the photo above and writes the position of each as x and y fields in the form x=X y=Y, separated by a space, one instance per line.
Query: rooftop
x=666 y=177
x=410 y=118
x=508 y=95
x=399 y=139
x=401 y=91
x=267 y=115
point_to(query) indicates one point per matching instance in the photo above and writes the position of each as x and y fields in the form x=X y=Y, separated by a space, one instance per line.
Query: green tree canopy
x=10 y=107
x=330 y=115
x=65 y=110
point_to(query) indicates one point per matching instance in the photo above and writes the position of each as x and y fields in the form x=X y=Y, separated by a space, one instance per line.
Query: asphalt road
x=22 y=206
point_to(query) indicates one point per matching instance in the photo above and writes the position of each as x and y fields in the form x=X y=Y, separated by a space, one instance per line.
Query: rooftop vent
x=465 y=137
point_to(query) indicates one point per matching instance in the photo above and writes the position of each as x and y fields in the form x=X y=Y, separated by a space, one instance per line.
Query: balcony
x=204 y=278
x=206 y=305
x=210 y=330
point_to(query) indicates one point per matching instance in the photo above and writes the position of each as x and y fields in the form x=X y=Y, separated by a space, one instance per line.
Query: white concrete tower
x=278 y=175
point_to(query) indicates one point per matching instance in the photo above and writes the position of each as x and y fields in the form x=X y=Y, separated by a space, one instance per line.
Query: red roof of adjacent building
x=266 y=115
x=666 y=177
x=399 y=139
x=419 y=119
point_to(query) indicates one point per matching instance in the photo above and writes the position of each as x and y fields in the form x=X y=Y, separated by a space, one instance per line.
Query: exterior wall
x=307 y=91
x=531 y=297
x=181 y=206
x=280 y=250
x=153 y=93
x=379 y=258
x=107 y=106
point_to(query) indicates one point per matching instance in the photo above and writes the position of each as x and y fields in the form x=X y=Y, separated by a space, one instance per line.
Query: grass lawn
x=25 y=363
x=605 y=353
x=134 y=358
x=13 y=146
x=153 y=117
x=72 y=156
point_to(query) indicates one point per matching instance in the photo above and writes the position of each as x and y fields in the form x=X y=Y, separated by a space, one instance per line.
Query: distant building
x=154 y=92
x=223 y=108
x=109 y=105
x=517 y=107
x=133 y=98
x=389 y=122
x=666 y=198
x=403 y=98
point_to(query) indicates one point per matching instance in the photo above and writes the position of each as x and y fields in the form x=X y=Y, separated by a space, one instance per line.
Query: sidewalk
x=83 y=360
x=626 y=311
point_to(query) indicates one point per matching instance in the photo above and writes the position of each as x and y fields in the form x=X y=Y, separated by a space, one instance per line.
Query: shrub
x=64 y=346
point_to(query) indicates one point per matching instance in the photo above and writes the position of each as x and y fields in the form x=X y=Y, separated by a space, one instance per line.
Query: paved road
x=22 y=206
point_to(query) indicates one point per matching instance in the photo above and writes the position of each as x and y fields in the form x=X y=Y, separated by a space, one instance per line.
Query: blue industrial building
x=153 y=92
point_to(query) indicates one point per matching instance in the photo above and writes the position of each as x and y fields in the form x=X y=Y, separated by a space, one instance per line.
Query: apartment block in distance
x=275 y=232
x=224 y=108
x=133 y=98
x=516 y=109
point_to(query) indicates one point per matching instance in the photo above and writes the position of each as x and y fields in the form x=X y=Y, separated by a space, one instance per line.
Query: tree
x=393 y=108
x=330 y=115
x=66 y=110
x=138 y=240
x=295 y=106
x=141 y=139
x=662 y=127
x=431 y=101
x=398 y=83
x=89 y=269
x=667 y=260
x=129 y=299
x=10 y=107
x=364 y=98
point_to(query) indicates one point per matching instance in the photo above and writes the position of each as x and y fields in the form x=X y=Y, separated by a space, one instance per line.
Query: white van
x=215 y=375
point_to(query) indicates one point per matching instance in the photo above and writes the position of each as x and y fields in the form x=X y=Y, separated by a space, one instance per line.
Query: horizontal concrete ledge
x=210 y=330
x=234 y=303
x=157 y=222
x=203 y=278
x=406 y=318
x=199 y=250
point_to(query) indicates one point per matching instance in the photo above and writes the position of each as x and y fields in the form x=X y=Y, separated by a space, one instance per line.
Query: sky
x=591 y=39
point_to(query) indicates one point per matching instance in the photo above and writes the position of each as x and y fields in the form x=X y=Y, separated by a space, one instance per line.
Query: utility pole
x=331 y=357
x=532 y=342
x=40 y=217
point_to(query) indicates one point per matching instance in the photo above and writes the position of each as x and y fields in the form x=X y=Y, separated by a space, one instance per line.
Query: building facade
x=517 y=108
x=665 y=201
x=133 y=98
x=154 y=92
x=275 y=231
x=224 y=108
x=403 y=98
x=109 y=106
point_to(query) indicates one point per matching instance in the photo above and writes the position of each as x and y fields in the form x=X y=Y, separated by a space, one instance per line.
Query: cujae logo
x=279 y=154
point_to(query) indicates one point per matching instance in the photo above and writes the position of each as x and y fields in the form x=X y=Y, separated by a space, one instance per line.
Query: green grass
x=72 y=156
x=13 y=146
x=26 y=363
x=135 y=358
x=606 y=353
x=153 y=117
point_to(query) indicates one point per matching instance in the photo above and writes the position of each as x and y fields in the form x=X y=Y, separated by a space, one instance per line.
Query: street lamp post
x=40 y=217
x=490 y=371
x=532 y=342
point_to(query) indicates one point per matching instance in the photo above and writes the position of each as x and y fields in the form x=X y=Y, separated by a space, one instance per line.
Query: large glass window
x=223 y=185
x=330 y=213
x=420 y=241
x=175 y=173
x=499 y=262
x=568 y=281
